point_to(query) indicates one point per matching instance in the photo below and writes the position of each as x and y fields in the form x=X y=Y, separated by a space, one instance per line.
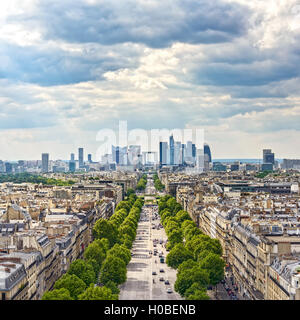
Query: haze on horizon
x=69 y=69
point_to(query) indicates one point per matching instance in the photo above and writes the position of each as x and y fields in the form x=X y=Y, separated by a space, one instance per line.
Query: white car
x=169 y=290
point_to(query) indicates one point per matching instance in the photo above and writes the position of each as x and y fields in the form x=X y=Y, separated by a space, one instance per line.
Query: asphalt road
x=139 y=284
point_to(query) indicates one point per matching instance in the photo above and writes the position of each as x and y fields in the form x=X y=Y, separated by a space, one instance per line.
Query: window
x=3 y=295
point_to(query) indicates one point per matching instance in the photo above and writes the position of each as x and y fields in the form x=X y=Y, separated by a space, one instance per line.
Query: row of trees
x=33 y=178
x=196 y=256
x=141 y=185
x=105 y=259
x=157 y=183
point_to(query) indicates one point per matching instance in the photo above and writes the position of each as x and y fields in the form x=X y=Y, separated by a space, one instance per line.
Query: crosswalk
x=141 y=256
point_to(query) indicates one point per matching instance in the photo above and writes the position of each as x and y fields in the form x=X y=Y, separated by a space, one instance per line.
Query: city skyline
x=70 y=69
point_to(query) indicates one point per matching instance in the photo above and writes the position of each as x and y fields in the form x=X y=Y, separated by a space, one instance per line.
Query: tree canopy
x=72 y=283
x=83 y=270
x=97 y=293
x=57 y=294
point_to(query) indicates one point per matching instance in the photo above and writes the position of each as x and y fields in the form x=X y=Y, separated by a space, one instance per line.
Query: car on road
x=161 y=279
x=169 y=290
x=161 y=270
x=154 y=273
x=167 y=282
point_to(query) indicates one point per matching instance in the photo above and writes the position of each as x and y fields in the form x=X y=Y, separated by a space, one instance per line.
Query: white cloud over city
x=69 y=69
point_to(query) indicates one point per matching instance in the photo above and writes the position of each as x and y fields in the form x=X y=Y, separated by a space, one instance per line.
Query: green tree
x=186 y=265
x=188 y=223
x=83 y=270
x=113 y=287
x=105 y=229
x=57 y=294
x=129 y=230
x=182 y=216
x=186 y=278
x=198 y=295
x=178 y=255
x=130 y=191
x=190 y=232
x=113 y=269
x=123 y=205
x=121 y=252
x=94 y=251
x=171 y=225
x=72 y=283
x=212 y=245
x=171 y=203
x=97 y=293
x=214 y=266
x=196 y=292
x=191 y=244
x=175 y=236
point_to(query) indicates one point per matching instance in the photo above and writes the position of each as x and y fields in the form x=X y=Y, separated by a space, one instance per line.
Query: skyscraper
x=171 y=149
x=199 y=160
x=268 y=156
x=8 y=167
x=119 y=154
x=177 y=152
x=183 y=152
x=45 y=162
x=207 y=151
x=72 y=166
x=163 y=149
x=89 y=158
x=194 y=150
x=133 y=154
x=80 y=157
x=72 y=157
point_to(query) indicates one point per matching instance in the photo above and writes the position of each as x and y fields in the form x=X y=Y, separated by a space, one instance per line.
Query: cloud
x=153 y=23
x=71 y=68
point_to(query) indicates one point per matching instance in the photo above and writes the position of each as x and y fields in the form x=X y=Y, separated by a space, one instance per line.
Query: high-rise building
x=134 y=151
x=45 y=162
x=89 y=158
x=163 y=149
x=171 y=149
x=207 y=151
x=72 y=157
x=194 y=150
x=268 y=156
x=183 y=152
x=8 y=167
x=177 y=153
x=290 y=164
x=72 y=166
x=119 y=155
x=200 y=160
x=189 y=149
x=80 y=157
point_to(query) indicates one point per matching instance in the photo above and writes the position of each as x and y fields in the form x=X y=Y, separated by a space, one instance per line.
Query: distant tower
x=89 y=158
x=163 y=148
x=72 y=157
x=45 y=162
x=72 y=166
x=171 y=149
x=207 y=151
x=268 y=156
x=80 y=157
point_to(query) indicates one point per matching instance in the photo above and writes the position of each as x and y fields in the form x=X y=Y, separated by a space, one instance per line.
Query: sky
x=71 y=68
